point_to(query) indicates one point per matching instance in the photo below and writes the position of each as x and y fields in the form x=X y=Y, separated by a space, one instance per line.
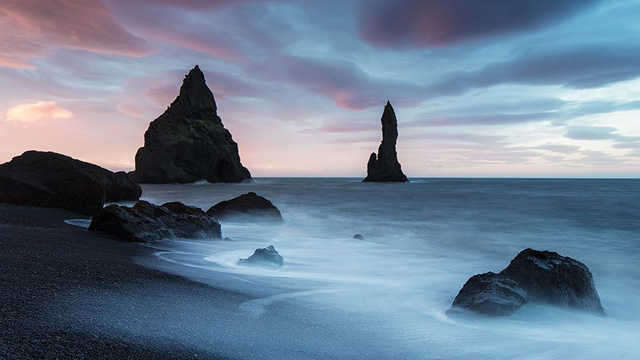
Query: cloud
x=597 y=133
x=130 y=110
x=347 y=84
x=491 y=119
x=32 y=28
x=579 y=66
x=401 y=24
x=41 y=110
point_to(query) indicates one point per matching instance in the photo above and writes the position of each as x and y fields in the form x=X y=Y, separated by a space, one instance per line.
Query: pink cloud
x=41 y=110
x=31 y=28
x=130 y=110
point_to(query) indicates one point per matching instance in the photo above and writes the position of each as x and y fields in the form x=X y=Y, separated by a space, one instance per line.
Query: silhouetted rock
x=188 y=142
x=490 y=294
x=555 y=279
x=385 y=166
x=358 y=237
x=250 y=206
x=48 y=179
x=266 y=257
x=145 y=222
x=532 y=276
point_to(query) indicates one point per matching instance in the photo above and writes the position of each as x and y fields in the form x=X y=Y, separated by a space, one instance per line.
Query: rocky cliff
x=188 y=142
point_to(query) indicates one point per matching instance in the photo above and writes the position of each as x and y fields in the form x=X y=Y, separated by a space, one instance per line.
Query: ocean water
x=387 y=296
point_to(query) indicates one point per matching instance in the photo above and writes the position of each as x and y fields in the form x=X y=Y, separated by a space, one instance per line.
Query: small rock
x=247 y=207
x=358 y=237
x=264 y=257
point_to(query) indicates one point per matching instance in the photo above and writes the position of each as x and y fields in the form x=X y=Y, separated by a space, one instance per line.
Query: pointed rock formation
x=385 y=166
x=188 y=142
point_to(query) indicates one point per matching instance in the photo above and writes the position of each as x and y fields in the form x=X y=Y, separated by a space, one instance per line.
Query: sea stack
x=188 y=142
x=385 y=166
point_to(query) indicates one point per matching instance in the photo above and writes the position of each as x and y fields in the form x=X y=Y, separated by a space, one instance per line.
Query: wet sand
x=49 y=268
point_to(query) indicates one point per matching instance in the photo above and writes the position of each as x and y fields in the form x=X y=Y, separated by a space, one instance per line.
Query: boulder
x=250 y=207
x=384 y=167
x=188 y=142
x=551 y=278
x=145 y=222
x=48 y=179
x=265 y=257
x=490 y=294
x=531 y=277
x=358 y=237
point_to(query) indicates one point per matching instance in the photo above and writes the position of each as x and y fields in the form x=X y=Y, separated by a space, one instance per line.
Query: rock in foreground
x=188 y=142
x=265 y=257
x=489 y=293
x=384 y=167
x=532 y=276
x=249 y=206
x=47 y=179
x=145 y=222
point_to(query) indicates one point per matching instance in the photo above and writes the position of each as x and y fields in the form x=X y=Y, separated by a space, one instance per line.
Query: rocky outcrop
x=490 y=294
x=384 y=167
x=188 y=142
x=266 y=257
x=250 y=207
x=47 y=179
x=532 y=276
x=145 y=222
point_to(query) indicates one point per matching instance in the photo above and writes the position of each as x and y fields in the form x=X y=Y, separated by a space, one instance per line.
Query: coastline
x=48 y=267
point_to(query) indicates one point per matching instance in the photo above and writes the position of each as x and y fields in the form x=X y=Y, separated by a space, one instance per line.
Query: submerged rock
x=265 y=257
x=532 y=276
x=249 y=206
x=490 y=294
x=48 y=179
x=384 y=167
x=145 y=222
x=188 y=142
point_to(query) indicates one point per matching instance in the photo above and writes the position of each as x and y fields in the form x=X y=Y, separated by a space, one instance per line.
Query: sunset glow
x=544 y=89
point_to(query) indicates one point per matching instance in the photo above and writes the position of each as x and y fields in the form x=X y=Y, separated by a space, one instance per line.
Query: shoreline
x=49 y=268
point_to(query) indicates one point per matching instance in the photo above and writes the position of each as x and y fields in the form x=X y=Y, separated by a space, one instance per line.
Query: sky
x=494 y=88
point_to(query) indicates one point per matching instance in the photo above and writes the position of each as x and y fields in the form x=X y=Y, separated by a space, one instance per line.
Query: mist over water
x=387 y=296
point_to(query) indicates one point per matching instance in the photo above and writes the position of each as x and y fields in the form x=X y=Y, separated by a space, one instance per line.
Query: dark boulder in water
x=145 y=222
x=265 y=257
x=249 y=206
x=384 y=167
x=188 y=142
x=48 y=179
x=551 y=278
x=532 y=276
x=490 y=294
x=358 y=237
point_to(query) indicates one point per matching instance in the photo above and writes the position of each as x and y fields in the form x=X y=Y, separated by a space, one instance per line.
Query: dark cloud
x=426 y=23
x=579 y=66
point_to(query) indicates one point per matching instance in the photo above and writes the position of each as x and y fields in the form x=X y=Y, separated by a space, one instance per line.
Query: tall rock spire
x=385 y=166
x=188 y=142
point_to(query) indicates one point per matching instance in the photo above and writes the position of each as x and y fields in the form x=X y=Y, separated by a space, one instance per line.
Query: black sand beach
x=45 y=265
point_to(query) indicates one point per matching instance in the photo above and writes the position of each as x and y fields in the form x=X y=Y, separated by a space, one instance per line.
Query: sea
x=386 y=297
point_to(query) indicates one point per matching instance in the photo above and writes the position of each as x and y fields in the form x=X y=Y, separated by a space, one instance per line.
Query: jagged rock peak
x=188 y=142
x=195 y=94
x=384 y=167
